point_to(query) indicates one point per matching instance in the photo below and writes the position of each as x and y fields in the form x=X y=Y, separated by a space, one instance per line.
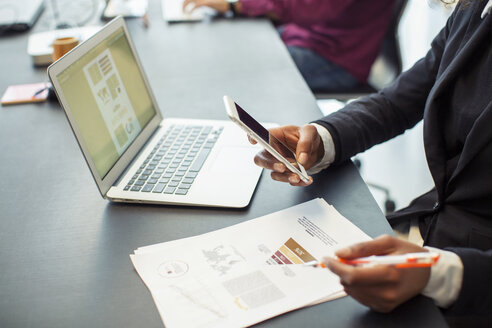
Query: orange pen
x=409 y=260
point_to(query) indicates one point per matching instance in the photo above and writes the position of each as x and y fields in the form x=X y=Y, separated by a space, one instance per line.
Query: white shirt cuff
x=446 y=277
x=329 y=147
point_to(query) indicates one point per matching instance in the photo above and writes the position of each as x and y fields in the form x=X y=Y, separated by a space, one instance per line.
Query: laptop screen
x=108 y=98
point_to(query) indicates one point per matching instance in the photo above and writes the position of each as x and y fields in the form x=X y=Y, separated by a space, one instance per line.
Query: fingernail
x=343 y=252
x=278 y=167
x=328 y=262
x=303 y=158
x=294 y=179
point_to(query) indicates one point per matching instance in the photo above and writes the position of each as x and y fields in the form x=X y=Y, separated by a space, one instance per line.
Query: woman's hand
x=222 y=6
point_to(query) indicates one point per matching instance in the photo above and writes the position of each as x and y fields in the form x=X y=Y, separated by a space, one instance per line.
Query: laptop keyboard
x=174 y=163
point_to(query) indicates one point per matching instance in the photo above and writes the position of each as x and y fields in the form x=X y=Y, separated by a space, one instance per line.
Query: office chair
x=386 y=68
x=389 y=203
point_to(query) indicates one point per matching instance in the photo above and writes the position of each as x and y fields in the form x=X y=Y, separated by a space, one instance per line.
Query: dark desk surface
x=64 y=250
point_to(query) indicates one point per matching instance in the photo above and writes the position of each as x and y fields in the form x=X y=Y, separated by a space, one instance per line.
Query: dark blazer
x=445 y=89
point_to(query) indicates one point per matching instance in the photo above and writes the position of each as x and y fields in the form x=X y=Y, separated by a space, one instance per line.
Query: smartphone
x=262 y=136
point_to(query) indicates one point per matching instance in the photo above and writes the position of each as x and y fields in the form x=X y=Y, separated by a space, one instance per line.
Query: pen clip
x=420 y=262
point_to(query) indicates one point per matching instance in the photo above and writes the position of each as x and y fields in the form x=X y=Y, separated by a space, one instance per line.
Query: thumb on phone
x=304 y=149
x=251 y=140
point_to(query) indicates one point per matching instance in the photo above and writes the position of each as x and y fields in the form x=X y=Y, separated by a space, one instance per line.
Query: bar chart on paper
x=291 y=253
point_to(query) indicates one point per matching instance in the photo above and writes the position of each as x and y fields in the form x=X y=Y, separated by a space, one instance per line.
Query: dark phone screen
x=264 y=134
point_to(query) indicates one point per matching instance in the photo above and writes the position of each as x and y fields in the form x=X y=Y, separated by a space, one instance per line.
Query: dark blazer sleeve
x=476 y=290
x=382 y=116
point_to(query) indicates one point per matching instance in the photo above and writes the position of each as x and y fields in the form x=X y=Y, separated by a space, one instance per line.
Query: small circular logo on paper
x=173 y=269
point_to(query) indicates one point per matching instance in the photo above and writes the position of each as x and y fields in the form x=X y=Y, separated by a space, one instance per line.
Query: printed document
x=249 y=272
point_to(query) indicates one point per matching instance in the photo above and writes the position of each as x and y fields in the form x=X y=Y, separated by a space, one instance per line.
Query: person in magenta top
x=333 y=42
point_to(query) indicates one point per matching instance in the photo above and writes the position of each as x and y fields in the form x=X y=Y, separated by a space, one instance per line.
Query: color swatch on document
x=291 y=253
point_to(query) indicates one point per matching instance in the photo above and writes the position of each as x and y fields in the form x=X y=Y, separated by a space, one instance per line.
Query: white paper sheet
x=236 y=276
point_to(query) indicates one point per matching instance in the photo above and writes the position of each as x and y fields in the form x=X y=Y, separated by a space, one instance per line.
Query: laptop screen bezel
x=106 y=182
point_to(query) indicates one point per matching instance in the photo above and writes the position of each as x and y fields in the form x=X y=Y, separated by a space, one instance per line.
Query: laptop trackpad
x=234 y=160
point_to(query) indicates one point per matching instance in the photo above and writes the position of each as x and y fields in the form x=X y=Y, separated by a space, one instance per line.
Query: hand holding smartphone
x=261 y=135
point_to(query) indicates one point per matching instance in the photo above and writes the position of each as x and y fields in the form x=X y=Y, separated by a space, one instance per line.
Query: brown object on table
x=63 y=45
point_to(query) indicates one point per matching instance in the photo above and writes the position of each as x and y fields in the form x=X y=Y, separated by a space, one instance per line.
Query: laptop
x=136 y=155
x=172 y=11
x=18 y=15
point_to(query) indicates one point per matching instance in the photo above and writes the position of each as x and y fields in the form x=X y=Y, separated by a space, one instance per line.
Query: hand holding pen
x=381 y=287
